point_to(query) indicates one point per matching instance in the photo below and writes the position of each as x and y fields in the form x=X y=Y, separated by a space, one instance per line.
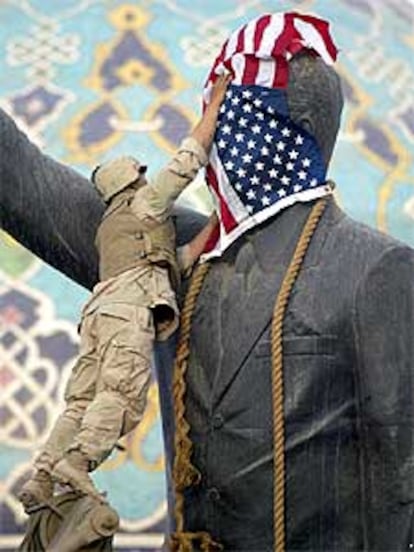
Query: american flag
x=260 y=161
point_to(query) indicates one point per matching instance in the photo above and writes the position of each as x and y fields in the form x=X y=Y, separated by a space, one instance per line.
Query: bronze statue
x=343 y=347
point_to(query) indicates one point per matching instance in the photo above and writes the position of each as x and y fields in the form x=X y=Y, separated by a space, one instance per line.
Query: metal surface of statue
x=348 y=353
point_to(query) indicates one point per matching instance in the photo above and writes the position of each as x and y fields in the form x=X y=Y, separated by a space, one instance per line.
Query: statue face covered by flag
x=261 y=161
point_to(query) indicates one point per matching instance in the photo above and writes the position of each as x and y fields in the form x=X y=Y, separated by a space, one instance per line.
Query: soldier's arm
x=54 y=211
x=204 y=131
x=189 y=253
x=156 y=200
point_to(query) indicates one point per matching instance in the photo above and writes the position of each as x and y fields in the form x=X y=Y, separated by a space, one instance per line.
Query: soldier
x=133 y=304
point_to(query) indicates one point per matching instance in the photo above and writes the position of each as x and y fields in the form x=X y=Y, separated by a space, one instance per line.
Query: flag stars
x=262 y=154
x=229 y=93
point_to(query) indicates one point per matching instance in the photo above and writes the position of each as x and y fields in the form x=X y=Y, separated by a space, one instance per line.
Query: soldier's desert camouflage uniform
x=132 y=305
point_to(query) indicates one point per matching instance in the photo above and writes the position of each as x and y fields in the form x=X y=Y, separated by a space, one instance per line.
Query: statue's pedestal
x=71 y=523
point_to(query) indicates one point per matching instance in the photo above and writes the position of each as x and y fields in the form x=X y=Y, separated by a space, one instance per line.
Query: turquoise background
x=57 y=59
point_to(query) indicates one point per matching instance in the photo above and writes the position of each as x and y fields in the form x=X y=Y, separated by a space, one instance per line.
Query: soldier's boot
x=37 y=490
x=73 y=470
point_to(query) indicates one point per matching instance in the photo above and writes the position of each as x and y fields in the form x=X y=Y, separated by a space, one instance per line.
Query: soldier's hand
x=219 y=89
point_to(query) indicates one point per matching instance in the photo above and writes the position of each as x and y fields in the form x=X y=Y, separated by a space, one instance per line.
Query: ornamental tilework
x=91 y=79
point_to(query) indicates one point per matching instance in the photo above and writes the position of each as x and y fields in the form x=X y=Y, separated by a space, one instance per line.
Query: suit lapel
x=248 y=300
x=246 y=313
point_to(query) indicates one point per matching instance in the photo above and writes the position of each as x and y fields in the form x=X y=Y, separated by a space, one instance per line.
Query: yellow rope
x=277 y=374
x=184 y=473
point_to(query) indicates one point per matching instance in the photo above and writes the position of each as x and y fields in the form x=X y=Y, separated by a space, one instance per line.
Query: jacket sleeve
x=154 y=202
x=384 y=333
x=54 y=211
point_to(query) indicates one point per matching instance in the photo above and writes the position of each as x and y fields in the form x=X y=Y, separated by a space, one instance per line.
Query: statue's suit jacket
x=348 y=364
x=348 y=360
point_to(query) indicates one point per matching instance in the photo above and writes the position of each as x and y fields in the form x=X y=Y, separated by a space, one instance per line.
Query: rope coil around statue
x=184 y=473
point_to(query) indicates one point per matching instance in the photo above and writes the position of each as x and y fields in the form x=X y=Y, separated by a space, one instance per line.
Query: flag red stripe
x=323 y=28
x=213 y=239
x=226 y=217
x=260 y=29
x=281 y=74
x=251 y=69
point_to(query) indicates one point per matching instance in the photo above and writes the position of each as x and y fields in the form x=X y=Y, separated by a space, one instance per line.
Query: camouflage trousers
x=106 y=392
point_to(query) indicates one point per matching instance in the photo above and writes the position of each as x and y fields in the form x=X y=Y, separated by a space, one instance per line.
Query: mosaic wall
x=90 y=79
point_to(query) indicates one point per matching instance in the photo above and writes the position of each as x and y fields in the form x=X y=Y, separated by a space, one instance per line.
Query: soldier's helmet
x=116 y=175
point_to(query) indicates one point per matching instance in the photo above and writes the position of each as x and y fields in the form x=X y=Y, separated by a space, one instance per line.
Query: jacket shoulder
x=359 y=243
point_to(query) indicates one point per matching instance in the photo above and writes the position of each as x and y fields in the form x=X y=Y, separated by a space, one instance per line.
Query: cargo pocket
x=126 y=336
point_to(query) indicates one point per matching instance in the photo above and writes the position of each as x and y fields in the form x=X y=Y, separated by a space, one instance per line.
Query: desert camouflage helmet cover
x=112 y=177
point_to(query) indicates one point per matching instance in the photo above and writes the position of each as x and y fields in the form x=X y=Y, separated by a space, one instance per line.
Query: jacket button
x=217 y=421
x=213 y=494
x=139 y=235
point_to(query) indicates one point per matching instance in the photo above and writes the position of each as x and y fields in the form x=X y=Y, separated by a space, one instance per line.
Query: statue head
x=315 y=99
x=278 y=124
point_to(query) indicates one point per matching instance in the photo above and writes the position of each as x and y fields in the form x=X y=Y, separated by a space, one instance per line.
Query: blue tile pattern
x=91 y=79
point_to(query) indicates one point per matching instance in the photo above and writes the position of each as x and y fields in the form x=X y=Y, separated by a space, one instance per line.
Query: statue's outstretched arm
x=54 y=211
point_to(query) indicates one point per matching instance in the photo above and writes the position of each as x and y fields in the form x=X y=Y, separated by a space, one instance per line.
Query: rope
x=184 y=473
x=277 y=374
